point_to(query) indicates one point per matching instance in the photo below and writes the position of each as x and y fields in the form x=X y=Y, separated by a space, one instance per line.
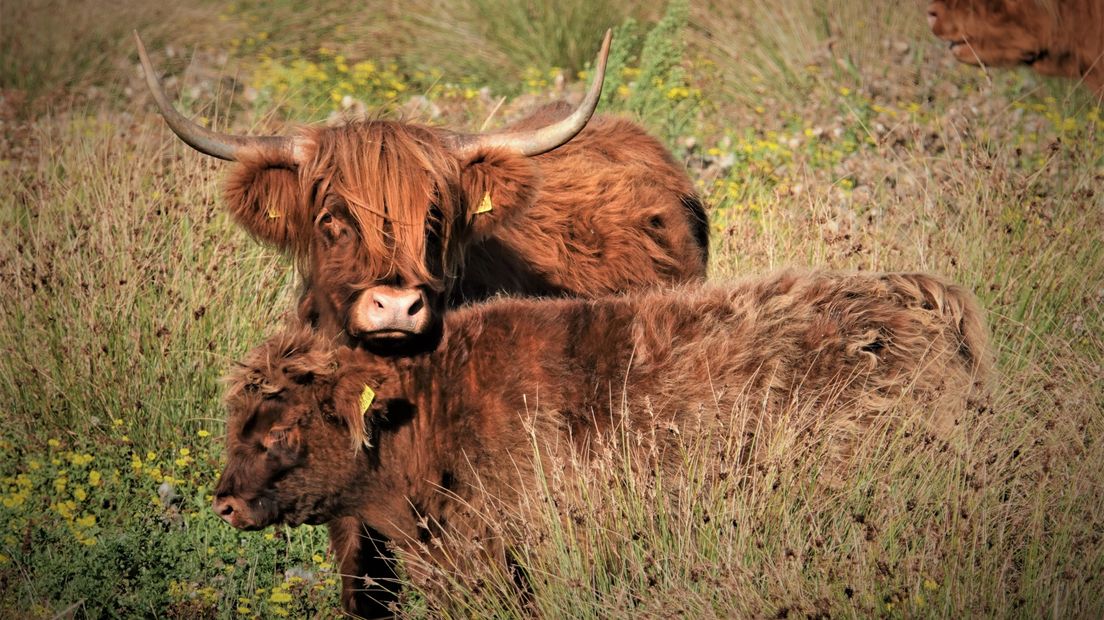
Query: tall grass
x=66 y=50
x=830 y=134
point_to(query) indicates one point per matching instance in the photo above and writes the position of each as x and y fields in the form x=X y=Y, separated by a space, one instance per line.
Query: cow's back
x=614 y=212
x=846 y=348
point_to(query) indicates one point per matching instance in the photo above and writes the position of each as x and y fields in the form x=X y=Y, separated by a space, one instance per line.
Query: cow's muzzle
x=235 y=511
x=388 y=312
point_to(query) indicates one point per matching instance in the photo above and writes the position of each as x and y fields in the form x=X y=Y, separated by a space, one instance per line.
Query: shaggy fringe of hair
x=397 y=180
x=284 y=358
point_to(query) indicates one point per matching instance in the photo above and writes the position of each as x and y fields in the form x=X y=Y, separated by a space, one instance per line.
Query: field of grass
x=833 y=133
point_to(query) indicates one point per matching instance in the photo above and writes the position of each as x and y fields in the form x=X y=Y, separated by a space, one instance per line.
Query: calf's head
x=296 y=435
x=378 y=212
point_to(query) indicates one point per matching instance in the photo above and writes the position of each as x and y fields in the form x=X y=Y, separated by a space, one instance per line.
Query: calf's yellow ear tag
x=485 y=204
x=366 y=398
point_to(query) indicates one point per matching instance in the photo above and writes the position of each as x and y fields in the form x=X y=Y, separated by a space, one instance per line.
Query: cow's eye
x=325 y=218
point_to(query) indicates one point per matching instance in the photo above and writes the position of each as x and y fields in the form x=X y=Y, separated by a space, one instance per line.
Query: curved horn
x=206 y=141
x=537 y=141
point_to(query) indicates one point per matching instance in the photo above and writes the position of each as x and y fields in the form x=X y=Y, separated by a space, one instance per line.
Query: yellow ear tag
x=485 y=204
x=273 y=214
x=366 y=398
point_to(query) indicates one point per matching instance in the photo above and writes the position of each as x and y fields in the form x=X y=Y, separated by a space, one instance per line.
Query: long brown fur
x=454 y=429
x=610 y=211
x=1057 y=37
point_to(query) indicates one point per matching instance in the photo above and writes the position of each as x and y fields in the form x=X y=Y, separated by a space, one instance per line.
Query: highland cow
x=394 y=222
x=417 y=447
x=1054 y=37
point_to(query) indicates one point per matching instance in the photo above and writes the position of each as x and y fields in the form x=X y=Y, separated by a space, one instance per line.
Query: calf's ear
x=266 y=198
x=497 y=185
x=283 y=438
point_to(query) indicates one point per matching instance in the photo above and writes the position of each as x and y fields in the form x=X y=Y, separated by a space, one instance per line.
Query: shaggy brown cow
x=392 y=222
x=1054 y=37
x=412 y=446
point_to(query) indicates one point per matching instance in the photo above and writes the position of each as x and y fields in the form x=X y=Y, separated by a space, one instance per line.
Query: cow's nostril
x=416 y=306
x=226 y=510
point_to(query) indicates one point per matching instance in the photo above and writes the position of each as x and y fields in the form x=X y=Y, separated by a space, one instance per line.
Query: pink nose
x=397 y=302
x=386 y=310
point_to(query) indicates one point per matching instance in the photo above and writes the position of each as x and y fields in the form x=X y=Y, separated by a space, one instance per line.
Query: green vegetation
x=833 y=134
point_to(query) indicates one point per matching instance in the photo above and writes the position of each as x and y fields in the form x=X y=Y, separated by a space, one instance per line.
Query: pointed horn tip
x=138 y=42
x=143 y=57
x=603 y=53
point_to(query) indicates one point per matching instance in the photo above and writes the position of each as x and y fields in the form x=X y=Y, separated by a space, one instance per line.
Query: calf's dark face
x=289 y=459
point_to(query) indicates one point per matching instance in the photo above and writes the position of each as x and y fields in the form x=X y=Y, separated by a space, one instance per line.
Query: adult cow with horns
x=391 y=223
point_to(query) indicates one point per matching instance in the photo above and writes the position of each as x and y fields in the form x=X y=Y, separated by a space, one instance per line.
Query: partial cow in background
x=1055 y=37
x=419 y=447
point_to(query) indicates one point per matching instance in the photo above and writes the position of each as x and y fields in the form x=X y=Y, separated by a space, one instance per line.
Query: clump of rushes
x=653 y=85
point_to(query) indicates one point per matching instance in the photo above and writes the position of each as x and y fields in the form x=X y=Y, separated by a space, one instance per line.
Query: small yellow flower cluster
x=328 y=82
x=281 y=596
x=17 y=490
x=183 y=590
x=678 y=93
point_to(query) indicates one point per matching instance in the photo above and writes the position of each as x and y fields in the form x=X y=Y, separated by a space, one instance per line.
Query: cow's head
x=993 y=32
x=378 y=212
x=296 y=434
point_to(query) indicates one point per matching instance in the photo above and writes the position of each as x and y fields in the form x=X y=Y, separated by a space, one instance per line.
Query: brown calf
x=1054 y=37
x=411 y=446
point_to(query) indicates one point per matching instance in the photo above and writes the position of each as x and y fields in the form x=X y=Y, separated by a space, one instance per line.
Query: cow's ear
x=497 y=185
x=265 y=198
